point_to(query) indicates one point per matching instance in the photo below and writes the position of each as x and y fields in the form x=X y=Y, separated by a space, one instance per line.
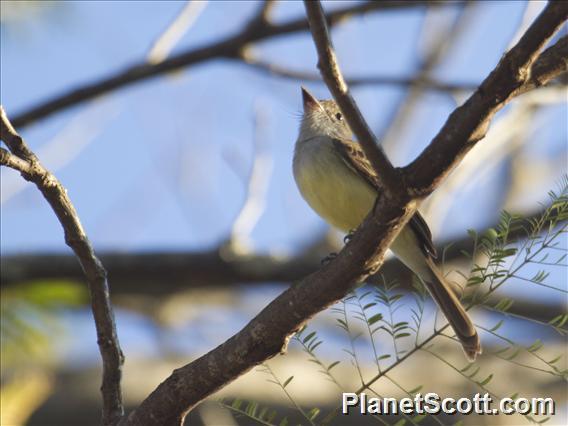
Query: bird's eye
x=339 y=116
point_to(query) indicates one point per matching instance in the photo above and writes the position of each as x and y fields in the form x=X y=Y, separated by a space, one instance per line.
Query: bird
x=338 y=182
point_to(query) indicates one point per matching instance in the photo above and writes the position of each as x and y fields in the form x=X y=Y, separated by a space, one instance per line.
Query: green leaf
x=314 y=346
x=486 y=380
x=401 y=324
x=476 y=370
x=309 y=336
x=535 y=346
x=288 y=380
x=559 y=320
x=515 y=353
x=237 y=403
x=342 y=324
x=251 y=408
x=333 y=364
x=313 y=413
x=497 y=326
x=375 y=318
x=504 y=304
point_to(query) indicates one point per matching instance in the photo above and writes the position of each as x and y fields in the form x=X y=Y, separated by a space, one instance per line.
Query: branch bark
x=268 y=333
x=230 y=47
x=25 y=161
x=469 y=123
x=329 y=69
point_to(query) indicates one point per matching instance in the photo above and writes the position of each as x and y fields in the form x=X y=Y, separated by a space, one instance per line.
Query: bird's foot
x=349 y=236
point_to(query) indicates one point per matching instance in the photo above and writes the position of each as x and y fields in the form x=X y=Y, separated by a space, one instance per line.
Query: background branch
x=277 y=70
x=75 y=237
x=438 y=41
x=163 y=45
x=469 y=123
x=228 y=48
x=161 y=273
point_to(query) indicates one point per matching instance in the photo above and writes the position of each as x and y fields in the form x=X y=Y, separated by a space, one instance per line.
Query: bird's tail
x=453 y=310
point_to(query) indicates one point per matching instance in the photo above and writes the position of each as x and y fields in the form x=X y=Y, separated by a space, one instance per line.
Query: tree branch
x=423 y=83
x=469 y=123
x=228 y=47
x=329 y=69
x=552 y=63
x=440 y=43
x=75 y=237
x=268 y=333
x=163 y=273
x=9 y=160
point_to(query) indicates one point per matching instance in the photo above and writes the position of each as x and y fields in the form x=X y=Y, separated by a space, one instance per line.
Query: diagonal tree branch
x=329 y=68
x=10 y=160
x=229 y=47
x=552 y=63
x=469 y=123
x=438 y=47
x=268 y=333
x=25 y=161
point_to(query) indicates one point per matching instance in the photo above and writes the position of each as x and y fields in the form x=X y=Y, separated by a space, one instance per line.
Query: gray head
x=322 y=118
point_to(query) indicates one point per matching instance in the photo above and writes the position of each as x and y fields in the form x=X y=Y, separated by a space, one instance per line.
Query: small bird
x=338 y=182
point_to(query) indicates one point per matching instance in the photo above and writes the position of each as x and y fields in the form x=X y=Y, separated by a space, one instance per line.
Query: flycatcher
x=339 y=183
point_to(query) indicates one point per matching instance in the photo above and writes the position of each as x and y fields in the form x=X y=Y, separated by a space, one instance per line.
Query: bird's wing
x=356 y=160
x=424 y=235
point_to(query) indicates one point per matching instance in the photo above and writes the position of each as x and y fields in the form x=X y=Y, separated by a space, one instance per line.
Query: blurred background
x=183 y=183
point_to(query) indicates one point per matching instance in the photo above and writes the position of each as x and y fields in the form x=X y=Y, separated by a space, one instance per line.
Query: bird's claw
x=349 y=235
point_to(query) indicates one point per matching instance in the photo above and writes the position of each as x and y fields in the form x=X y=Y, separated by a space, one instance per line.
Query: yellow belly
x=343 y=198
x=336 y=193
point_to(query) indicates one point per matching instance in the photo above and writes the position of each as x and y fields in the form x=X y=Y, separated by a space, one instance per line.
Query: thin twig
x=424 y=83
x=441 y=43
x=9 y=160
x=265 y=10
x=257 y=183
x=76 y=239
x=331 y=73
x=175 y=30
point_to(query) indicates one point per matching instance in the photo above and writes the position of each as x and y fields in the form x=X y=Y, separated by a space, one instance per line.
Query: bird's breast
x=331 y=188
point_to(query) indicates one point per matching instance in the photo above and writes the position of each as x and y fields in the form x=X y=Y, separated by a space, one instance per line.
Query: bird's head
x=322 y=118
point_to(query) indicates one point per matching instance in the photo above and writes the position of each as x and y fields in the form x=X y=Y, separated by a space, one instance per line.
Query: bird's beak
x=310 y=102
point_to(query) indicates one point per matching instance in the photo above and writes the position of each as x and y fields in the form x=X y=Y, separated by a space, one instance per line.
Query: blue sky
x=151 y=168
x=160 y=165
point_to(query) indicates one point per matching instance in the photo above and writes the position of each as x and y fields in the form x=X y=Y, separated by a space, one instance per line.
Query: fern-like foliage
x=392 y=324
